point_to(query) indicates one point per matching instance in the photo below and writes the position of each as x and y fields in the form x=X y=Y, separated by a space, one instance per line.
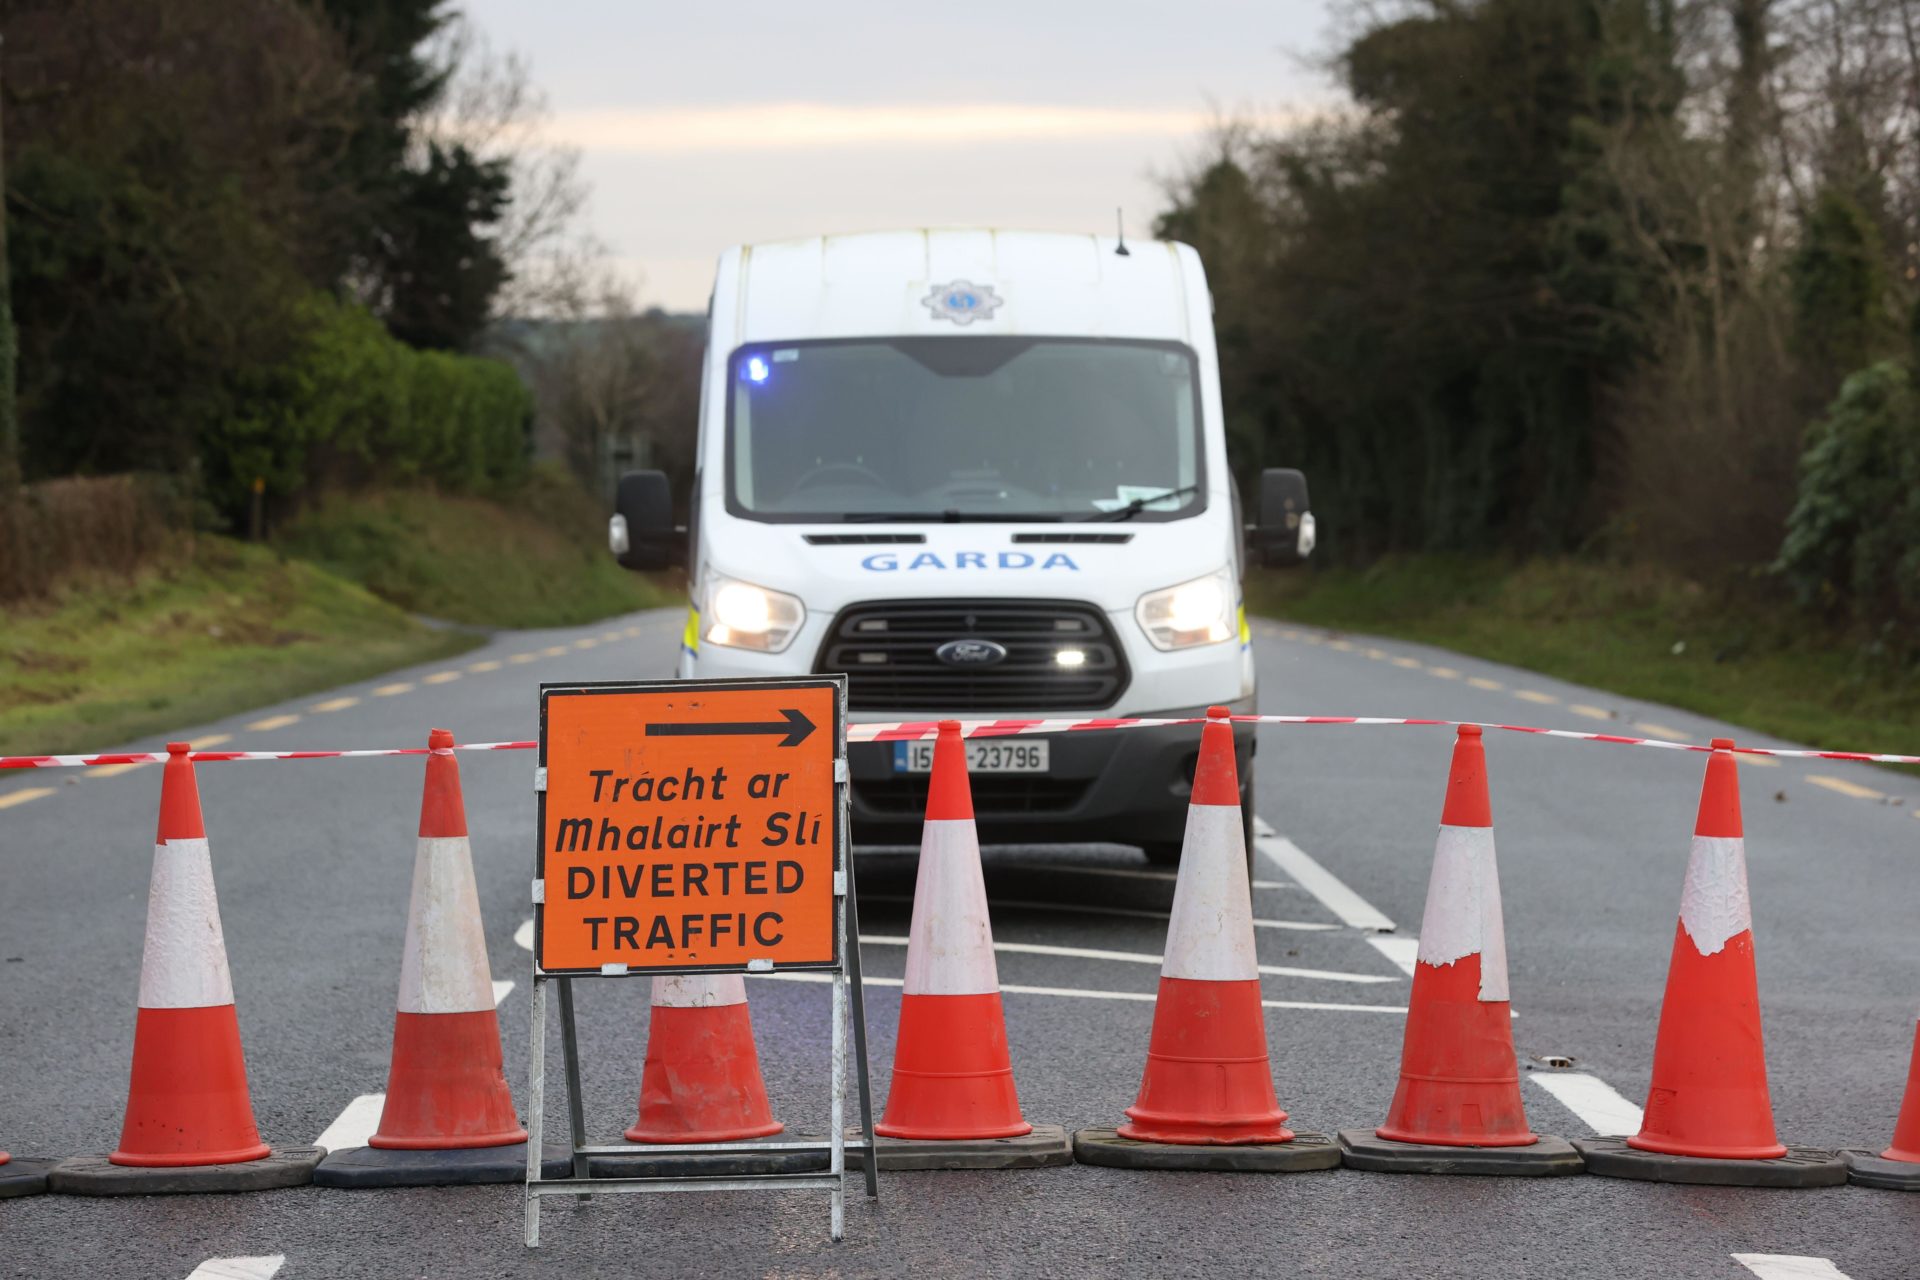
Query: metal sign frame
x=848 y=1017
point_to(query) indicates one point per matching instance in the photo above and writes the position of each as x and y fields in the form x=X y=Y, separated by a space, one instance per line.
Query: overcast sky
x=707 y=124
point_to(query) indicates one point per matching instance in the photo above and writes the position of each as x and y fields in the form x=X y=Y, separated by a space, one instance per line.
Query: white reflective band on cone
x=699 y=990
x=950 y=943
x=1714 y=906
x=1463 y=908
x=443 y=964
x=1210 y=929
x=184 y=965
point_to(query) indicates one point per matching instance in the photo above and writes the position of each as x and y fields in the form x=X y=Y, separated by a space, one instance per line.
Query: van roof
x=961 y=280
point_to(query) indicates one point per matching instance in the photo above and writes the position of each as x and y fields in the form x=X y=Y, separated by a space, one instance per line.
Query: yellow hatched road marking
x=443 y=677
x=488 y=665
x=1534 y=695
x=388 y=690
x=273 y=722
x=335 y=704
x=1591 y=713
x=1845 y=788
x=1481 y=682
x=21 y=797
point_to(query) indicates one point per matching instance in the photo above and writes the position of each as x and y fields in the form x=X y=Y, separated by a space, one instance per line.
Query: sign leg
x=536 y=1105
x=858 y=993
x=839 y=1112
x=576 y=1106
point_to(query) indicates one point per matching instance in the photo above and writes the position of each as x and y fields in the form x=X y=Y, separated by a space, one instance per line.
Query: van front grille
x=890 y=652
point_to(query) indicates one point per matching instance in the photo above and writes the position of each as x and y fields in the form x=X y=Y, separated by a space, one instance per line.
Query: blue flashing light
x=757 y=369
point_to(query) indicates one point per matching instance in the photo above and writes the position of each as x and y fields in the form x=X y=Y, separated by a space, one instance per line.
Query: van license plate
x=984 y=755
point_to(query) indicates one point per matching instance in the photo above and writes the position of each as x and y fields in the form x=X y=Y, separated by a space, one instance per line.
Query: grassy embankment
x=222 y=626
x=1738 y=652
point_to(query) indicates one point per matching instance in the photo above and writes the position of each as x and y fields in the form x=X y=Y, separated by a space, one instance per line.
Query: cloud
x=790 y=125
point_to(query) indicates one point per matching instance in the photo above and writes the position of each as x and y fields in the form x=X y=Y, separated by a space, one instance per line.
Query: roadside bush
x=1853 y=539
x=115 y=524
x=356 y=406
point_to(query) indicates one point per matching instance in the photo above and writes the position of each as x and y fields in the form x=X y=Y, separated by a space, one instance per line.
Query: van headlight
x=743 y=616
x=1192 y=613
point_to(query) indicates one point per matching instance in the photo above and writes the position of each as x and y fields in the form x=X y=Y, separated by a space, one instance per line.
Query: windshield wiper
x=1138 y=505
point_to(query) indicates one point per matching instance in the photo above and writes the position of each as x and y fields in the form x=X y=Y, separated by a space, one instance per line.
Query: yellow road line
x=1591 y=713
x=554 y=650
x=586 y=642
x=523 y=657
x=1344 y=646
x=631 y=631
x=1412 y=664
x=13 y=798
x=273 y=722
x=1289 y=633
x=1653 y=730
x=1445 y=673
x=443 y=677
x=1534 y=695
x=488 y=665
x=112 y=770
x=388 y=690
x=211 y=740
x=1758 y=762
x=1481 y=682
x=611 y=635
x=1845 y=788
x=335 y=704
x=1375 y=654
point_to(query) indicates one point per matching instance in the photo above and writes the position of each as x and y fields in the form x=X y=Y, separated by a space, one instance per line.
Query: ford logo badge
x=971 y=653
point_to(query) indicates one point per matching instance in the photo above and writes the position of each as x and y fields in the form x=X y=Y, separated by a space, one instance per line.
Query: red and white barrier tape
x=909 y=730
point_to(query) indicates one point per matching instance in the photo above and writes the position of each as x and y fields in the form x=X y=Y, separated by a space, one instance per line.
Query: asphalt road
x=314 y=860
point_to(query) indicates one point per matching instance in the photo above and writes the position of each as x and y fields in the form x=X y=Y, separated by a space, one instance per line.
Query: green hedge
x=1853 y=539
x=357 y=406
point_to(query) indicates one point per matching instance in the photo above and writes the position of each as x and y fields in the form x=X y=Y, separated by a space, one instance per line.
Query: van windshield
x=964 y=428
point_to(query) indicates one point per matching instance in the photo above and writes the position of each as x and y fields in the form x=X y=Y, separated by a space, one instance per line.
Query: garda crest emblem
x=963 y=302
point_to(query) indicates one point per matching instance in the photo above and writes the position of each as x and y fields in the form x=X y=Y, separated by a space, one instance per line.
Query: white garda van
x=984 y=473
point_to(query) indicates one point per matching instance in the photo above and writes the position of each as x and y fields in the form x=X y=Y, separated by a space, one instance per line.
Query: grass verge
x=108 y=658
x=1737 y=651
x=534 y=558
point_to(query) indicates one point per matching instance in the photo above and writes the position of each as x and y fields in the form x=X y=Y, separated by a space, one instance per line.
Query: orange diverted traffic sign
x=688 y=826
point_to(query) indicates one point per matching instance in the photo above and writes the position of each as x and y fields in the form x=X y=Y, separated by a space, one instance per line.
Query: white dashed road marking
x=1138 y=957
x=353 y=1126
x=523 y=936
x=1353 y=910
x=1789 y=1266
x=1600 y=1107
x=1078 y=993
x=502 y=988
x=257 y=1267
x=1404 y=952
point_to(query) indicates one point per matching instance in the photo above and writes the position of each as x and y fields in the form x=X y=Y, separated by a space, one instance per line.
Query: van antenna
x=1120 y=233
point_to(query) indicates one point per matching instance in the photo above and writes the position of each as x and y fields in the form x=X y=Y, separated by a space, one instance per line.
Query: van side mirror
x=641 y=533
x=1284 y=535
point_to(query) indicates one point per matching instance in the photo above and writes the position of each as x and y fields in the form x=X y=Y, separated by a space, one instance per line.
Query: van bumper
x=1119 y=786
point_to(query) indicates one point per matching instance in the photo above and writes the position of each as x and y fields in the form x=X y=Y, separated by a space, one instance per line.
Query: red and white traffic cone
x=701 y=1081
x=952 y=1071
x=1459 y=1090
x=189 y=1121
x=1898 y=1167
x=1708 y=1112
x=187 y=1100
x=446 y=1087
x=1208 y=1086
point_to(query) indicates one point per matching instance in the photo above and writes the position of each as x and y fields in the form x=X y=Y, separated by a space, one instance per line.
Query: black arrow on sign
x=792 y=723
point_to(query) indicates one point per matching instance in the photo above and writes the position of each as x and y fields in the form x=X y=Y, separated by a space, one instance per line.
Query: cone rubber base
x=20 y=1177
x=744 y=1161
x=1547 y=1157
x=97 y=1176
x=1043 y=1147
x=1864 y=1169
x=1800 y=1167
x=459 y=1167
x=1306 y=1152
